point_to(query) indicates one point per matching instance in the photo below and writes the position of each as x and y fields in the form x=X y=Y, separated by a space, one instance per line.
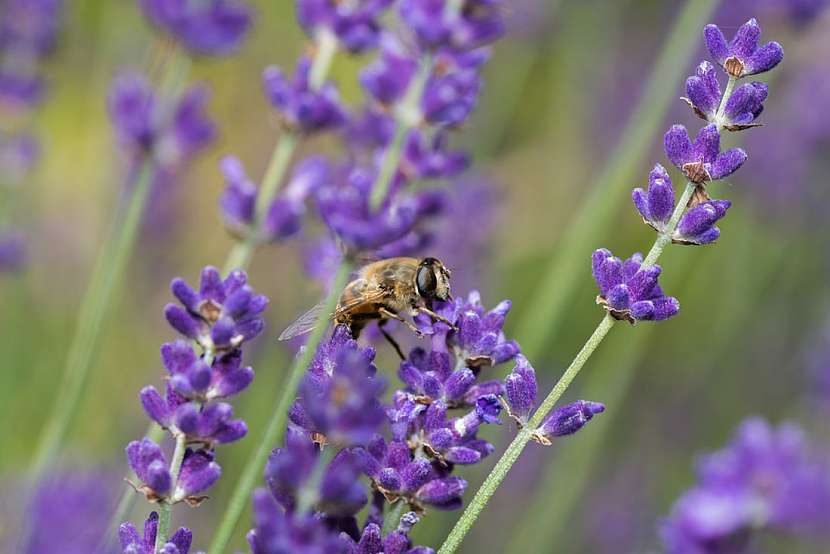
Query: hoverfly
x=384 y=290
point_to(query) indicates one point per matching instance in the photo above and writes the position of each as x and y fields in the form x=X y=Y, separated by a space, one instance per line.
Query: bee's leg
x=389 y=337
x=435 y=316
x=389 y=314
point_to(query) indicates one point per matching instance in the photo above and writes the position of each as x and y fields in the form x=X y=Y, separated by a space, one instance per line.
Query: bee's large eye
x=426 y=282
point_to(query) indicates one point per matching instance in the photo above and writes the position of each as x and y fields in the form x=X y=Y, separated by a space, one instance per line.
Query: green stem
x=407 y=116
x=276 y=424
x=106 y=278
x=595 y=217
x=393 y=518
x=166 y=507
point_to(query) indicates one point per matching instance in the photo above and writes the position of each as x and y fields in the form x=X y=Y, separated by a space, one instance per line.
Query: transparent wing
x=305 y=323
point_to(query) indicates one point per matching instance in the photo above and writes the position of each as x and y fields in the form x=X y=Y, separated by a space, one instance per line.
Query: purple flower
x=521 y=389
x=343 y=404
x=435 y=26
x=150 y=465
x=742 y=56
x=238 y=201
x=133 y=543
x=745 y=105
x=423 y=159
x=629 y=292
x=355 y=23
x=279 y=532
x=442 y=494
x=479 y=339
x=213 y=27
x=697 y=226
x=766 y=479
x=657 y=203
x=222 y=315
x=388 y=77
x=567 y=420
x=198 y=473
x=397 y=542
x=284 y=217
x=137 y=116
x=452 y=90
x=301 y=107
x=702 y=160
x=12 y=250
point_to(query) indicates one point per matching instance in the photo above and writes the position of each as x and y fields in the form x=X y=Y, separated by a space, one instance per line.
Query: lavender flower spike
x=133 y=543
x=657 y=204
x=628 y=292
x=567 y=420
x=702 y=159
x=742 y=56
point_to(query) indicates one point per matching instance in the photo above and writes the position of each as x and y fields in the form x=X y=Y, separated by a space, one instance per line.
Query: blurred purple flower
x=278 y=532
x=284 y=217
x=629 y=292
x=137 y=116
x=766 y=479
x=435 y=26
x=12 y=250
x=302 y=108
x=209 y=27
x=355 y=24
x=18 y=154
x=69 y=513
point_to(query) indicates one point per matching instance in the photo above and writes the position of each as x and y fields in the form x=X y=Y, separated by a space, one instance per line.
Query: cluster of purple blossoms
x=145 y=543
x=629 y=291
x=423 y=83
x=211 y=27
x=767 y=479
x=202 y=373
x=408 y=449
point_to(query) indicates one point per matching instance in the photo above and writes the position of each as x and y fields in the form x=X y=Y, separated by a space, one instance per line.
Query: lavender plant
x=629 y=290
x=766 y=480
x=218 y=320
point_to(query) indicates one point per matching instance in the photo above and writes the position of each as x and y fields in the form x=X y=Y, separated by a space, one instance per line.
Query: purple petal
x=764 y=59
x=745 y=41
x=155 y=406
x=727 y=163
x=182 y=321
x=716 y=43
x=677 y=145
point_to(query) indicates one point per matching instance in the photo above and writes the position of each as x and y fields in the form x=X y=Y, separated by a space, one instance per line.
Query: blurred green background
x=558 y=108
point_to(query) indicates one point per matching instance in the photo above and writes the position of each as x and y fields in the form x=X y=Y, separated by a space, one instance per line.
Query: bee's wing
x=306 y=322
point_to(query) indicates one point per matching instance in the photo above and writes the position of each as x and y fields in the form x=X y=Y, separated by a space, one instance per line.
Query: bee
x=384 y=290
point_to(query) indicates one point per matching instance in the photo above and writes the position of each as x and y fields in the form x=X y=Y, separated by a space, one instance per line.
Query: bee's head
x=432 y=280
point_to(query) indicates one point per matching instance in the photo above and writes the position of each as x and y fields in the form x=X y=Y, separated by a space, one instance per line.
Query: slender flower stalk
x=701 y=161
x=165 y=509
